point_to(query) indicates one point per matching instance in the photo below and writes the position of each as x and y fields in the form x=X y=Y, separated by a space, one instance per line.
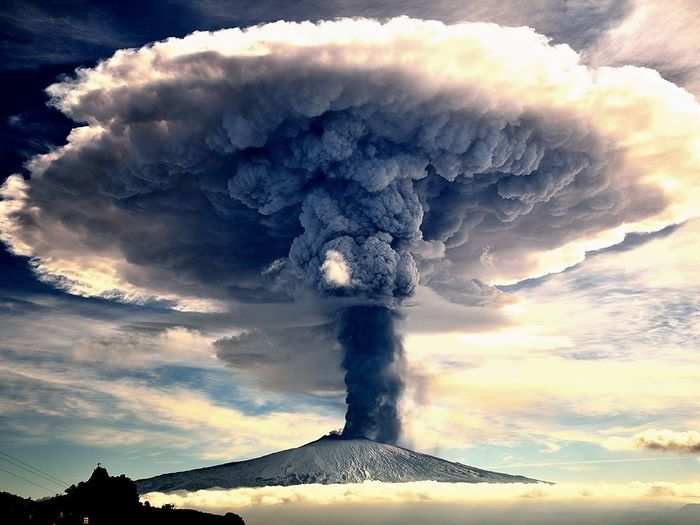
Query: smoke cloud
x=344 y=164
x=298 y=359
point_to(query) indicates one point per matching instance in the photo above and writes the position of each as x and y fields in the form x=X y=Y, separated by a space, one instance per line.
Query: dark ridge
x=102 y=500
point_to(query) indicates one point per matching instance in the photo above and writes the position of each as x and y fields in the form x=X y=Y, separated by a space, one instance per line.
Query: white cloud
x=335 y=269
x=662 y=35
x=458 y=503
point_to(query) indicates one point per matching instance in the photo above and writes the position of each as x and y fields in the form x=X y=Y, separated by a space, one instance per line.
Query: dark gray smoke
x=373 y=360
x=342 y=174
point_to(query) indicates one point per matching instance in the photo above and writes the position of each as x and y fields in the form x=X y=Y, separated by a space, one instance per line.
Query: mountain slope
x=327 y=460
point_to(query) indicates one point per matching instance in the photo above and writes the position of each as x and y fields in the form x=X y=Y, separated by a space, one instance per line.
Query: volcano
x=331 y=459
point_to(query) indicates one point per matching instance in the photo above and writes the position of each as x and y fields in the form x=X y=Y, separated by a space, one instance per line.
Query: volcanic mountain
x=331 y=459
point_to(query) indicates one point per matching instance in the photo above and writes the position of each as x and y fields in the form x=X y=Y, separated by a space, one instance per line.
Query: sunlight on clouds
x=652 y=125
x=175 y=345
x=106 y=344
x=335 y=269
x=531 y=396
x=670 y=46
x=80 y=273
x=456 y=347
x=225 y=432
x=215 y=430
x=419 y=502
x=585 y=344
x=670 y=262
x=559 y=259
x=373 y=492
x=103 y=436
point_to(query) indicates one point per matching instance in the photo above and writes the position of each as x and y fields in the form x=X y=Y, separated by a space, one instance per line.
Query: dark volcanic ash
x=373 y=360
x=346 y=162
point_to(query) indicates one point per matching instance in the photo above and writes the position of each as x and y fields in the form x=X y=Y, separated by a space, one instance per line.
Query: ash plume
x=342 y=165
x=373 y=361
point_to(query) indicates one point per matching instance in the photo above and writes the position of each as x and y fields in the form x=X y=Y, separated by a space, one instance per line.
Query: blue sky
x=575 y=362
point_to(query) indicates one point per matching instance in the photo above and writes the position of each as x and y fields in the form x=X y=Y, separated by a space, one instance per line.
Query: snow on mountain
x=328 y=460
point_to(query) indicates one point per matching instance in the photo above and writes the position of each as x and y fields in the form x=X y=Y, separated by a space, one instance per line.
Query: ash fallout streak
x=338 y=165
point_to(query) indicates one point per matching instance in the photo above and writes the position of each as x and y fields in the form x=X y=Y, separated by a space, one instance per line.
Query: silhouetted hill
x=101 y=500
x=14 y=509
x=689 y=514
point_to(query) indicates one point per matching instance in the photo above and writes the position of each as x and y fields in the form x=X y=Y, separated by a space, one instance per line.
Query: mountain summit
x=331 y=459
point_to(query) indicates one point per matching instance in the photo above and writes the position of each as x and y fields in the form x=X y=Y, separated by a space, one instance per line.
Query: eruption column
x=297 y=162
x=373 y=360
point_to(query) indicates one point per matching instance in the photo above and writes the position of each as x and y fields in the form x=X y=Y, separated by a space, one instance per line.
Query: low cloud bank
x=407 y=503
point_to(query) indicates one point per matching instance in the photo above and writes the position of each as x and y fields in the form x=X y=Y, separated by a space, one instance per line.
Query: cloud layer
x=418 y=502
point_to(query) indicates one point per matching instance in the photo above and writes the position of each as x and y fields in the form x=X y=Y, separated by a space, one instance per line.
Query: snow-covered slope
x=328 y=460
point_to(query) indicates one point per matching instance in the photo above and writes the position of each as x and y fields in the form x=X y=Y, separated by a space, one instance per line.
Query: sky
x=173 y=263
